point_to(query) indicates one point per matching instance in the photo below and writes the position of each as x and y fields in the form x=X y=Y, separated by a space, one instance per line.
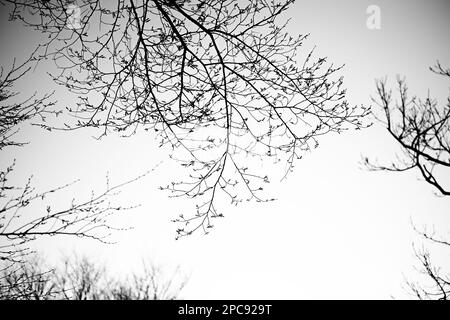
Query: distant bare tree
x=151 y=284
x=81 y=279
x=422 y=128
x=28 y=280
x=219 y=81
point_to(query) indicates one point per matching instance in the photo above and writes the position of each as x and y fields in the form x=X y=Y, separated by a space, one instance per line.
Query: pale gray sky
x=336 y=230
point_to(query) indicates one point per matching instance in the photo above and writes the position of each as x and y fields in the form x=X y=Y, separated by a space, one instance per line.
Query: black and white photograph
x=224 y=150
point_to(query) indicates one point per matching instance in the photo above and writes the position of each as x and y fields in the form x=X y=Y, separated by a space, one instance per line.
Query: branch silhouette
x=218 y=82
x=24 y=215
x=422 y=128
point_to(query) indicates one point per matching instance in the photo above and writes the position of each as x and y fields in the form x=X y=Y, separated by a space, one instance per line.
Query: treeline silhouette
x=79 y=278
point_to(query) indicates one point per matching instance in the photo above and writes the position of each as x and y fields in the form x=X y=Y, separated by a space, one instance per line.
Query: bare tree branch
x=219 y=82
x=422 y=128
x=24 y=214
x=436 y=285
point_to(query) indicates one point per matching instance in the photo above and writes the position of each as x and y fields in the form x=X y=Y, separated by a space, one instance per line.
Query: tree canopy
x=218 y=82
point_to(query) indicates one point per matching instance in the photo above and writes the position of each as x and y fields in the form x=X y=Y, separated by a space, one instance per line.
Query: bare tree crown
x=219 y=82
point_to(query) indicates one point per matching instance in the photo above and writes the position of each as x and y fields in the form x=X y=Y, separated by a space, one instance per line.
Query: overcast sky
x=335 y=231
